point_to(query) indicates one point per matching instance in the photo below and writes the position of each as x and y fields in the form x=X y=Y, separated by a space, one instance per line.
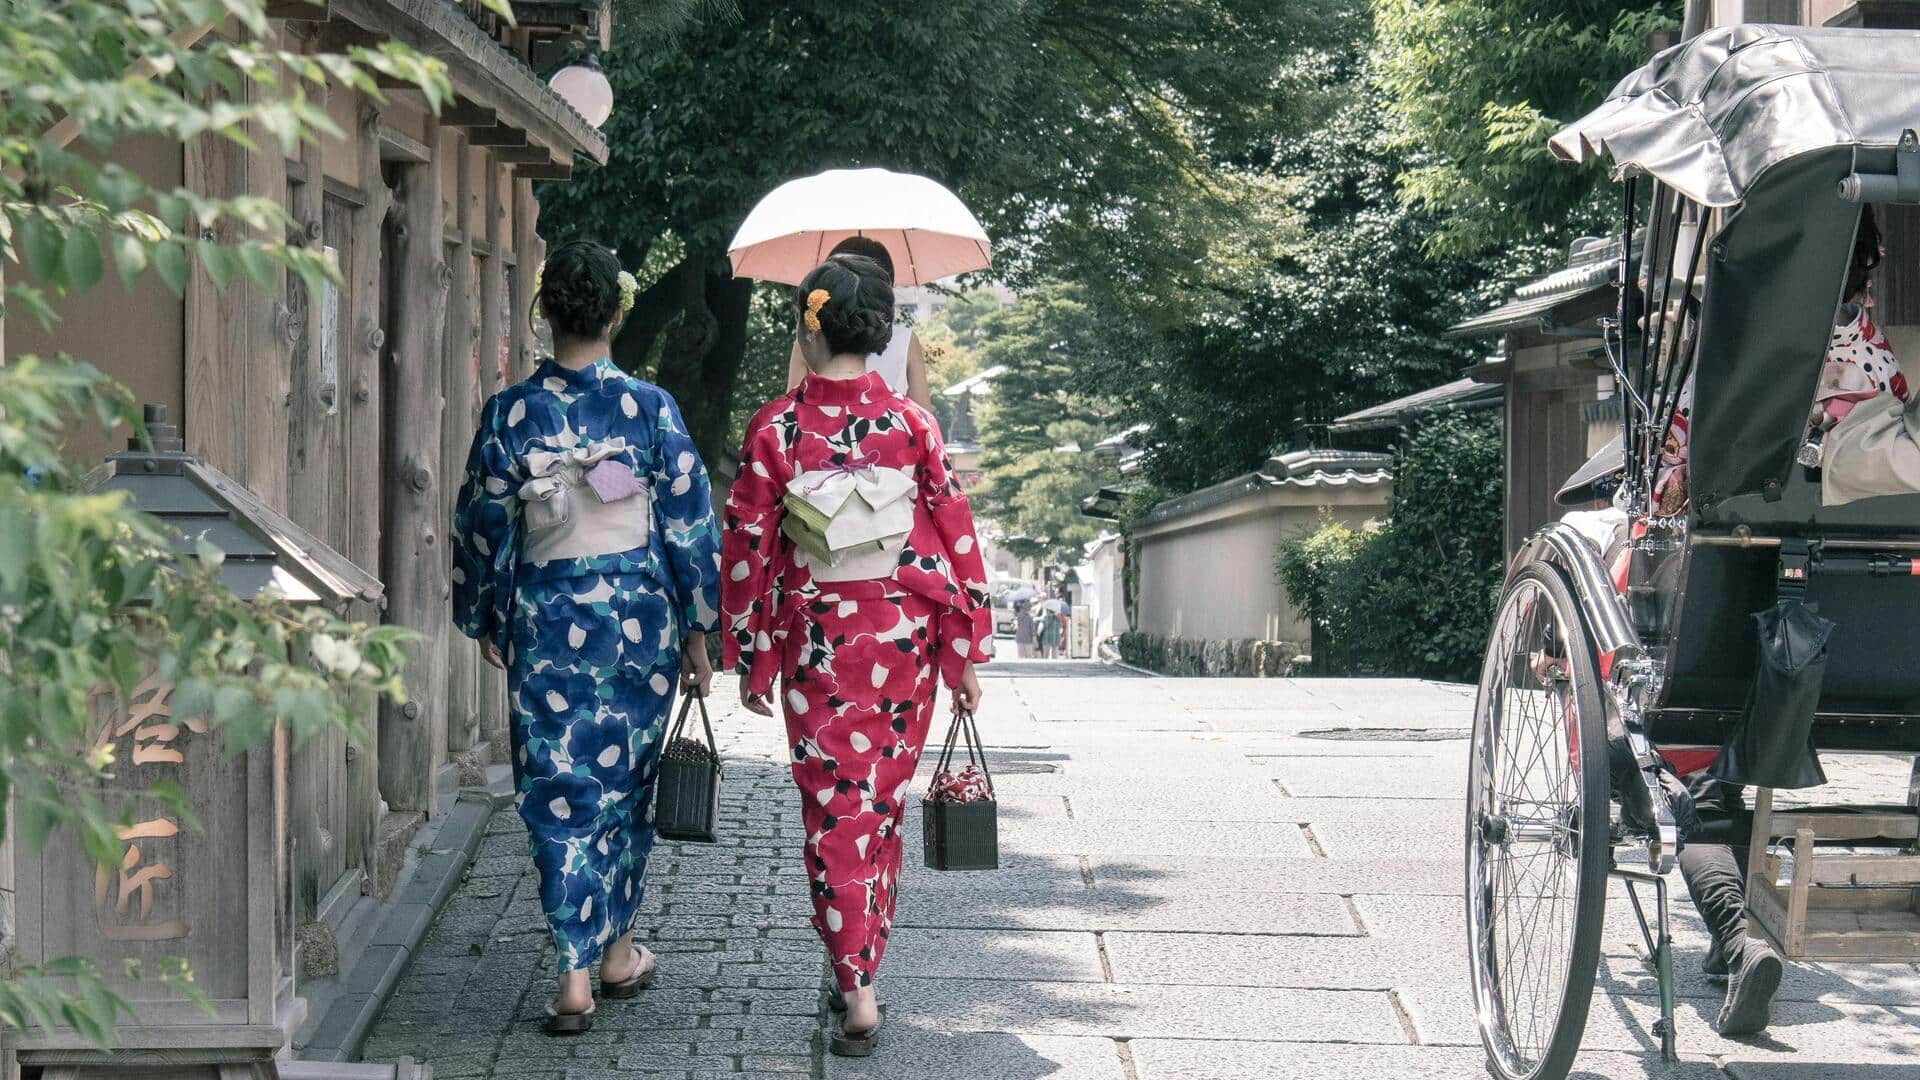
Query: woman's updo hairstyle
x=580 y=289
x=1866 y=254
x=856 y=314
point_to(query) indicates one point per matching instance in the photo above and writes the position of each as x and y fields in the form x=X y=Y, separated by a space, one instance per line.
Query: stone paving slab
x=1367 y=778
x=1037 y=956
x=924 y=1054
x=1154 y=836
x=1174 y=875
x=1144 y=1011
x=1359 y=829
x=1233 y=913
x=1193 y=1059
x=1230 y=798
x=1349 y=963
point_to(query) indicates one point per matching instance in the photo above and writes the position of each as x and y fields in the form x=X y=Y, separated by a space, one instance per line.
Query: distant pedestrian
x=860 y=635
x=586 y=560
x=1052 y=629
x=1023 y=629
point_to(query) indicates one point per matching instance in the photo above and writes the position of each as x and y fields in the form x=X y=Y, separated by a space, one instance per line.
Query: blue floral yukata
x=584 y=547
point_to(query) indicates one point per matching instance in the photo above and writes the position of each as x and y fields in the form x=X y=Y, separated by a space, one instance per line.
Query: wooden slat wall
x=413 y=737
x=1546 y=442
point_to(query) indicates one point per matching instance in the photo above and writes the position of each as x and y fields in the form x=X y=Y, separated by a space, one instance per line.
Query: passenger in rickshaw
x=1872 y=455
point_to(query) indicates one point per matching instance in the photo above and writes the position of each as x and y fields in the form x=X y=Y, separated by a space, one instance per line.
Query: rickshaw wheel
x=1537 y=844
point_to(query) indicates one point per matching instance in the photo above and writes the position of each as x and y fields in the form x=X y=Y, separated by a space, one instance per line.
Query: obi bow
x=828 y=489
x=550 y=472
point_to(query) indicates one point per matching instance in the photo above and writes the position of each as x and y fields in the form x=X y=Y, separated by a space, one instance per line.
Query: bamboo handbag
x=958 y=817
x=687 y=804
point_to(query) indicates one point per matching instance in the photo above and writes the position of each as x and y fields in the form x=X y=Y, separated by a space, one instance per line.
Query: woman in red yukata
x=850 y=569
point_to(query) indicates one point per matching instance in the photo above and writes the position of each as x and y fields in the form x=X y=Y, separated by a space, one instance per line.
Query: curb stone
x=404 y=921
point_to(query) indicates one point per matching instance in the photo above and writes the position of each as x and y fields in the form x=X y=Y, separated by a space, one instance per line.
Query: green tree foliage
x=1076 y=128
x=1483 y=83
x=92 y=593
x=1416 y=597
x=1038 y=425
x=1347 y=313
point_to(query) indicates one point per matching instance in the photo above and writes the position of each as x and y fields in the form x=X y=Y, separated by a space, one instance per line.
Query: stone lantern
x=215 y=896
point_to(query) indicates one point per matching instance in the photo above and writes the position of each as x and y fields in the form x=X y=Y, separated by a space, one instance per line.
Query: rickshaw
x=1744 y=157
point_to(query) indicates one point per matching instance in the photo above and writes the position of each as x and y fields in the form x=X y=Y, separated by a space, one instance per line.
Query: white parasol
x=927 y=229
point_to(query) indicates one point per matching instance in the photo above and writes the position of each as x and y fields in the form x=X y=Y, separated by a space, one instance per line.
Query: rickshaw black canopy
x=1764 y=122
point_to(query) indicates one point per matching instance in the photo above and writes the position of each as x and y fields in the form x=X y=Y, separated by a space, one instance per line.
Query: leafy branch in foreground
x=95 y=597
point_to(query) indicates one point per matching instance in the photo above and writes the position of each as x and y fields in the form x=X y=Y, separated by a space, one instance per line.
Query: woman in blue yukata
x=587 y=563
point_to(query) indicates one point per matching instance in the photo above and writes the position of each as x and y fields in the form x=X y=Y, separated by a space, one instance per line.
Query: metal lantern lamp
x=584 y=86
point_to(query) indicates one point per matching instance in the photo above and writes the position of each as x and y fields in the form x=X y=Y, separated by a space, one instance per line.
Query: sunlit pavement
x=1200 y=878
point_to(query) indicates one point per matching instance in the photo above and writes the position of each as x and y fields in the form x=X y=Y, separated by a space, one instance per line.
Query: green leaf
x=217 y=261
x=174 y=210
x=82 y=259
x=256 y=264
x=170 y=260
x=41 y=241
x=129 y=257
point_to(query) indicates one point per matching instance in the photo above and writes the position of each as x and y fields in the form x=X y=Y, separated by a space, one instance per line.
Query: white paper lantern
x=585 y=87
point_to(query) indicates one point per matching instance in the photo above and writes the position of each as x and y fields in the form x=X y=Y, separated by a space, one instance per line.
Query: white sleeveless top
x=891 y=362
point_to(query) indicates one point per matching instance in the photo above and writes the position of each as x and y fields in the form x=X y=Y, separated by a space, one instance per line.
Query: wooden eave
x=548 y=18
x=485 y=74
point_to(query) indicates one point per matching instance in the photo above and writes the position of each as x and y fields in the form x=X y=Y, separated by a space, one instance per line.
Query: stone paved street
x=1193 y=887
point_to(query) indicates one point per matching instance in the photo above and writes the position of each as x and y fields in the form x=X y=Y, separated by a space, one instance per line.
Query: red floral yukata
x=856 y=659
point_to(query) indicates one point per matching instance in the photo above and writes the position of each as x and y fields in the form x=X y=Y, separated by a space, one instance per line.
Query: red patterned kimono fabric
x=856 y=659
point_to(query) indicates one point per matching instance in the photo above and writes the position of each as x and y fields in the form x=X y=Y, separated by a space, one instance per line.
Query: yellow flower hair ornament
x=629 y=291
x=816 y=300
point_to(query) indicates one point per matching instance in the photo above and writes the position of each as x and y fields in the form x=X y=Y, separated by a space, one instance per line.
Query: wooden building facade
x=351 y=411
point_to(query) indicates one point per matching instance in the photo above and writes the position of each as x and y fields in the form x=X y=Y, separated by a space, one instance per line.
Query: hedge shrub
x=1416 y=597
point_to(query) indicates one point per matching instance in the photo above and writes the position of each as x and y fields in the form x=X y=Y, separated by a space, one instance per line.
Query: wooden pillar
x=361 y=356
x=457 y=385
x=493 y=278
x=532 y=251
x=413 y=736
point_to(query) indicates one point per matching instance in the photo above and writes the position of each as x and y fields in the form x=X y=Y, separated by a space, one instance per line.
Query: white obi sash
x=851 y=522
x=565 y=515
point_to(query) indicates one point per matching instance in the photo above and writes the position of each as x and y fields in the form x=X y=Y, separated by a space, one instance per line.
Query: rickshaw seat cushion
x=1873 y=451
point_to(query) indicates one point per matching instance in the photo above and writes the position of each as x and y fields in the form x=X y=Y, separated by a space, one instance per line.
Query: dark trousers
x=1716 y=874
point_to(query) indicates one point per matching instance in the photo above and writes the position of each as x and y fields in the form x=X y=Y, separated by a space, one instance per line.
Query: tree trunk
x=700 y=361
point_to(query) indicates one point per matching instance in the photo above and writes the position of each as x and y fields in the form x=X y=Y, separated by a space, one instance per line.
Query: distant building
x=1204 y=560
